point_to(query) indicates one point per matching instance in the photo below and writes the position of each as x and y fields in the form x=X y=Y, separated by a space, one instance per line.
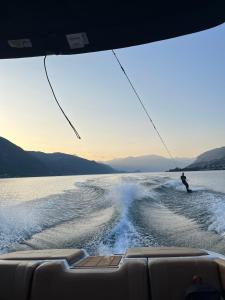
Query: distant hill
x=16 y=162
x=66 y=164
x=210 y=160
x=147 y=163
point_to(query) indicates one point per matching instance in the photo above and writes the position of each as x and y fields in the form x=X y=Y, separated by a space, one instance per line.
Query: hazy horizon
x=124 y=157
x=115 y=158
x=146 y=155
x=180 y=81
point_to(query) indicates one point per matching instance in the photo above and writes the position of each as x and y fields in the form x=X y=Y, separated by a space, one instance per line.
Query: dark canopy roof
x=33 y=28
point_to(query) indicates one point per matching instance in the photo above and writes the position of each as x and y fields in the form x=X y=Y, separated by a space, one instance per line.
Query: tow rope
x=56 y=100
x=144 y=108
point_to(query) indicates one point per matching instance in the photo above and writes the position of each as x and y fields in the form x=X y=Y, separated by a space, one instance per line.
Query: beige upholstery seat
x=171 y=277
x=71 y=255
x=104 y=278
x=54 y=280
x=164 y=252
x=15 y=279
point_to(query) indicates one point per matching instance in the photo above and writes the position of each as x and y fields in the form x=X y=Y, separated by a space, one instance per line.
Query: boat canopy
x=35 y=28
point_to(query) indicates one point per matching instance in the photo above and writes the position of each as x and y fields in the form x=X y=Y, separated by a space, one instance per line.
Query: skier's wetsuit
x=184 y=181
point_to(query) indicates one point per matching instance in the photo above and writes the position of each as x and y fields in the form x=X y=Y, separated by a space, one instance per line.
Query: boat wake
x=110 y=214
x=124 y=233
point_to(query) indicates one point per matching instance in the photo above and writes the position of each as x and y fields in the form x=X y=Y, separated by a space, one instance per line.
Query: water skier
x=184 y=181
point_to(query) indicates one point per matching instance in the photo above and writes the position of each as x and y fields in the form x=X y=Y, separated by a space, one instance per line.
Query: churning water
x=107 y=214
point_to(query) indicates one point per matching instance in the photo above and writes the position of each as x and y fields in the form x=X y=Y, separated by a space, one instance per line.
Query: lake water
x=107 y=214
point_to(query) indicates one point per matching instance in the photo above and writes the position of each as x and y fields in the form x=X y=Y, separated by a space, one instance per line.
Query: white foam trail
x=178 y=185
x=216 y=206
x=211 y=203
x=125 y=193
x=17 y=223
x=20 y=222
x=124 y=234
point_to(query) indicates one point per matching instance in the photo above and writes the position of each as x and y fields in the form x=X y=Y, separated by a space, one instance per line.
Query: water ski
x=189 y=191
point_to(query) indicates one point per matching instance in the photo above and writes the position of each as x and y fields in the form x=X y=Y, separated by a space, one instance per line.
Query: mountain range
x=147 y=163
x=16 y=162
x=213 y=159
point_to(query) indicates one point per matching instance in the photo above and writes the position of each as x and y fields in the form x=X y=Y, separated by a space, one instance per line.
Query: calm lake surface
x=107 y=214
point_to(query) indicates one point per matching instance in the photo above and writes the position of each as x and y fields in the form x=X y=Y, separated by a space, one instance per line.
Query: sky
x=181 y=82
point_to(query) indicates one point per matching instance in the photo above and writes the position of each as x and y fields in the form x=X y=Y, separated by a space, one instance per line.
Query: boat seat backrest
x=170 y=278
x=16 y=279
x=221 y=267
x=55 y=280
